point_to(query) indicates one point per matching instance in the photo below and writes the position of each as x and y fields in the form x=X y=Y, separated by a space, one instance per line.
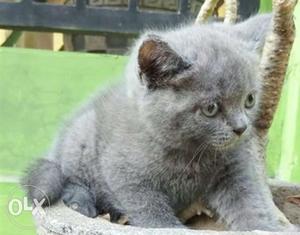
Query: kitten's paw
x=116 y=215
x=119 y=217
x=80 y=200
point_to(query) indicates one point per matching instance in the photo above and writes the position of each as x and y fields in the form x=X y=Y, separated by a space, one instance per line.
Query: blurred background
x=55 y=53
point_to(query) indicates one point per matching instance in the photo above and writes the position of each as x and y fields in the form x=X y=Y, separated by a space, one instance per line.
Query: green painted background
x=265 y=5
x=37 y=90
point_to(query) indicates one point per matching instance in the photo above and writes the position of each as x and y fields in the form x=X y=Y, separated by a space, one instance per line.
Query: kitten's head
x=200 y=83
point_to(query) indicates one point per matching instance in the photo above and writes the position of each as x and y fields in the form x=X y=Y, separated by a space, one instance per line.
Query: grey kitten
x=180 y=128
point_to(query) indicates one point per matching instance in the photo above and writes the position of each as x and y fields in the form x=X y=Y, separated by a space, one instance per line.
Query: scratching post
x=230 y=11
x=206 y=11
x=275 y=60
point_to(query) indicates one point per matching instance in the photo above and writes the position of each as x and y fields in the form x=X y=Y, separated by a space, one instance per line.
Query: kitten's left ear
x=254 y=31
x=159 y=63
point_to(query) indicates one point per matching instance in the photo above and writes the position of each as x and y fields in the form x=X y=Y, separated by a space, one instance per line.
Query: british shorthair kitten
x=177 y=128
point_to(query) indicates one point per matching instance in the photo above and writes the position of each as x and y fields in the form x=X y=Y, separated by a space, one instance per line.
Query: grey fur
x=153 y=152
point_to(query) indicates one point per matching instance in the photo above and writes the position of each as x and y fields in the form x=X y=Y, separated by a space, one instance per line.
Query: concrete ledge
x=58 y=219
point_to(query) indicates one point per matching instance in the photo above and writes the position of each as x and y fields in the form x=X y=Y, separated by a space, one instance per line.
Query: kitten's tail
x=44 y=181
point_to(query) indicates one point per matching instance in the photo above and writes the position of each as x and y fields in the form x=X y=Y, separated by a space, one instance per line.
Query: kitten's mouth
x=226 y=144
x=223 y=146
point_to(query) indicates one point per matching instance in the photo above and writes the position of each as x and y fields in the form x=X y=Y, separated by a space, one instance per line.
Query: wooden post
x=206 y=11
x=274 y=61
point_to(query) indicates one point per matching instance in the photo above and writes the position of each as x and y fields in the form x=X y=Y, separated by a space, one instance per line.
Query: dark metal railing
x=84 y=18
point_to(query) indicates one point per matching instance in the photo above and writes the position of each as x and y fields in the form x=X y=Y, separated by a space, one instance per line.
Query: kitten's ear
x=254 y=31
x=159 y=63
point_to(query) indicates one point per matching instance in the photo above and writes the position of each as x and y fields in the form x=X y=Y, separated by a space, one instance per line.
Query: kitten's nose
x=240 y=130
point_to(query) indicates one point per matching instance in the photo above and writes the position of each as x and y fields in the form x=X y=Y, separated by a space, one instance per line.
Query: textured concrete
x=59 y=219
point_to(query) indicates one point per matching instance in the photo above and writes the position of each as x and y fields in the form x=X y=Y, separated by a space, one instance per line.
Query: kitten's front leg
x=242 y=199
x=146 y=208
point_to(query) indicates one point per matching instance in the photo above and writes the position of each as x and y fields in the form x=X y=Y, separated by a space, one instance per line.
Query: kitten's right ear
x=254 y=31
x=159 y=63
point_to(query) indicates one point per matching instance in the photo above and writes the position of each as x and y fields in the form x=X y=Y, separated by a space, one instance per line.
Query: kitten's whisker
x=198 y=150
x=215 y=159
x=201 y=155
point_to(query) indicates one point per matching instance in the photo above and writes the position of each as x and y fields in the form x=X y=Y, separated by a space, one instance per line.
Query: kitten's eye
x=211 y=110
x=250 y=101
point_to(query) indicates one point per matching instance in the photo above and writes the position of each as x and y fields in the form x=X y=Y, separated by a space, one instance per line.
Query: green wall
x=265 y=5
x=37 y=90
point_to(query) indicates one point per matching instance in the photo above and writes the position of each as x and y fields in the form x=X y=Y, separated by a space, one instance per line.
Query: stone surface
x=59 y=219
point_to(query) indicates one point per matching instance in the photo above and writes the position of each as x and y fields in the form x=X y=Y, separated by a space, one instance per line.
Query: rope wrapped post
x=206 y=11
x=209 y=6
x=274 y=61
x=231 y=7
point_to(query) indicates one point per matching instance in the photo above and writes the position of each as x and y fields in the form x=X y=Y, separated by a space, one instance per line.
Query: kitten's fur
x=145 y=148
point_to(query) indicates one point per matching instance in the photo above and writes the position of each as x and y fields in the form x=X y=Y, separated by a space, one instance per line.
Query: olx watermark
x=20 y=207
